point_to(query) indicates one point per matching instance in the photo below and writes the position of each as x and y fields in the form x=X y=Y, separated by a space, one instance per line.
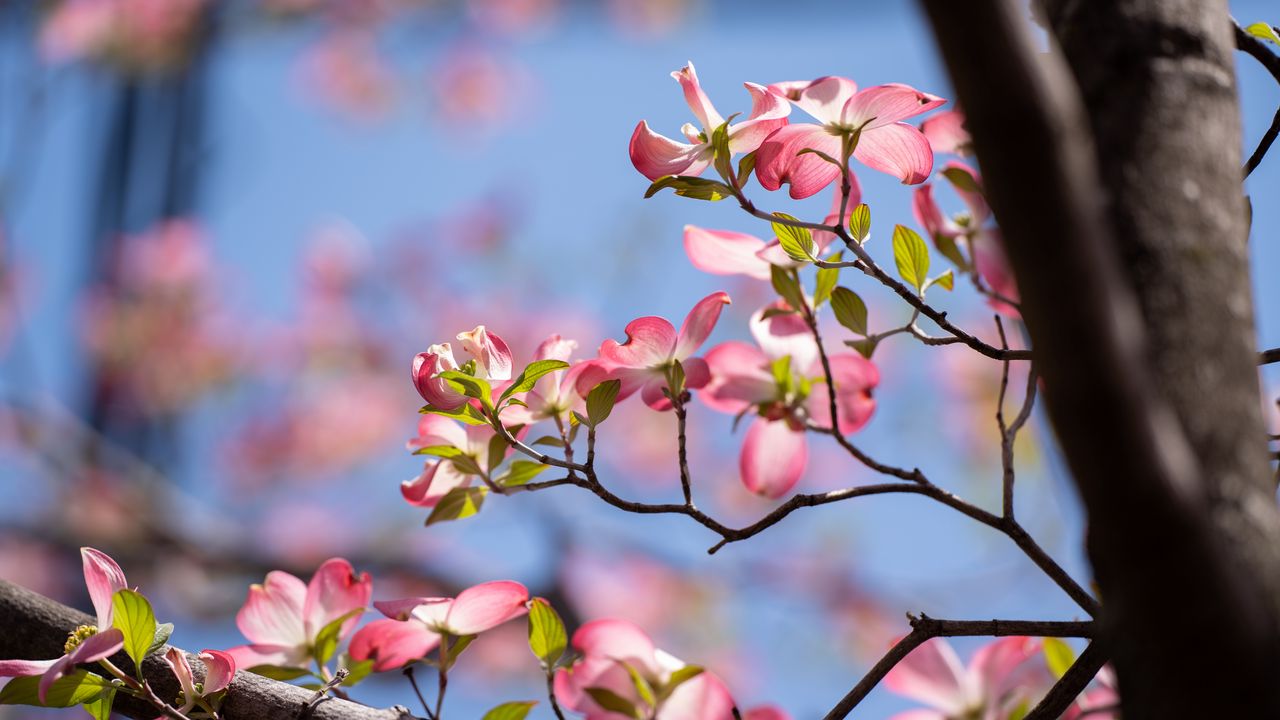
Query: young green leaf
x=642 y=686
x=679 y=677
x=826 y=281
x=1264 y=31
x=356 y=670
x=613 y=702
x=458 y=503
x=745 y=166
x=911 y=255
x=163 y=631
x=457 y=644
x=796 y=242
x=521 y=472
x=525 y=381
x=515 y=710
x=721 y=155
x=950 y=250
x=849 y=309
x=787 y=287
x=691 y=187
x=467 y=414
x=547 y=636
x=472 y=387
x=962 y=180
x=600 y=401
x=327 y=639
x=946 y=280
x=1058 y=656
x=866 y=347
x=440 y=451
x=99 y=708
x=75 y=688
x=860 y=223
x=497 y=451
x=549 y=441
x=131 y=613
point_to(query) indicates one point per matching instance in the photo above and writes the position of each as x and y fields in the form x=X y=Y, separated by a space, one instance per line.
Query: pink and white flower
x=655 y=155
x=439 y=476
x=414 y=626
x=871 y=117
x=653 y=347
x=491 y=355
x=946 y=133
x=1001 y=676
x=219 y=667
x=88 y=643
x=608 y=649
x=782 y=382
x=555 y=394
x=283 y=616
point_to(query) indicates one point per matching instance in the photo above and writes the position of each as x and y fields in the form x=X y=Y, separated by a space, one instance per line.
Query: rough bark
x=35 y=627
x=1114 y=170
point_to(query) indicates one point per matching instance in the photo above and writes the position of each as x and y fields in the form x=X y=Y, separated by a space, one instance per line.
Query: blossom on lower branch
x=219 y=668
x=1001 y=680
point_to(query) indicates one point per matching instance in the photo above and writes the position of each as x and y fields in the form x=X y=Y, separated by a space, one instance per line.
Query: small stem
x=686 y=484
x=408 y=672
x=443 y=676
x=551 y=696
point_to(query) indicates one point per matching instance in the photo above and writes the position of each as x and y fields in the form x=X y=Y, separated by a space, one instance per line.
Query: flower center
x=78 y=636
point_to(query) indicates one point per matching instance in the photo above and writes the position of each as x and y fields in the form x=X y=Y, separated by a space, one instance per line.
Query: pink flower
x=493 y=362
x=555 y=394
x=414 y=626
x=1104 y=695
x=766 y=712
x=219 y=667
x=282 y=616
x=652 y=349
x=87 y=643
x=655 y=155
x=743 y=379
x=873 y=116
x=997 y=680
x=438 y=477
x=946 y=134
x=608 y=647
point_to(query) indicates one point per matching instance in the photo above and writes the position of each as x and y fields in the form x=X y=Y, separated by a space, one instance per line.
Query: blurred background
x=226 y=226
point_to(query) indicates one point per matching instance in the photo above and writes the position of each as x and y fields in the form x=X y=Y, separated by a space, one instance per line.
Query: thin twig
x=1071 y=684
x=408 y=672
x=1266 y=357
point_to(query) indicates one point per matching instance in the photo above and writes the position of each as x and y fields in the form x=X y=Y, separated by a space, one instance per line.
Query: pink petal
x=929 y=215
x=251 y=656
x=433 y=613
x=991 y=264
x=654 y=394
x=177 y=661
x=594 y=672
x=438 y=477
x=946 y=134
x=650 y=342
x=334 y=591
x=740 y=378
x=855 y=378
x=487 y=605
x=783 y=335
x=617 y=640
x=899 y=150
x=696 y=373
x=699 y=323
x=655 y=155
x=597 y=371
x=697 y=99
x=272 y=614
x=766 y=712
x=438 y=430
x=768 y=113
x=92 y=649
x=996 y=665
x=24 y=668
x=773 y=458
x=823 y=238
x=555 y=348
x=722 y=252
x=919 y=715
x=492 y=354
x=882 y=105
x=391 y=644
x=702 y=698
x=103 y=577
x=978 y=208
x=823 y=98
x=219 y=670
x=778 y=161
x=402 y=609
x=931 y=674
x=435 y=391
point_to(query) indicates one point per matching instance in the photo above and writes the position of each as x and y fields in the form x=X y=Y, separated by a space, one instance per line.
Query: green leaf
x=600 y=401
x=911 y=255
x=100 y=707
x=472 y=387
x=163 y=631
x=1058 y=656
x=826 y=281
x=440 y=451
x=962 y=180
x=277 y=672
x=866 y=347
x=1020 y=712
x=516 y=710
x=547 y=636
x=946 y=280
x=356 y=671
x=721 y=155
x=679 y=677
x=132 y=615
x=643 y=689
x=691 y=187
x=950 y=250
x=525 y=381
x=787 y=287
x=521 y=472
x=467 y=414
x=745 y=166
x=457 y=644
x=1264 y=31
x=497 y=451
x=74 y=688
x=327 y=639
x=849 y=309
x=467 y=465
x=781 y=369
x=860 y=223
x=796 y=242
x=613 y=702
x=458 y=503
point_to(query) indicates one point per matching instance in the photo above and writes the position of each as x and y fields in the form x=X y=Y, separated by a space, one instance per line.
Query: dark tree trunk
x=1113 y=165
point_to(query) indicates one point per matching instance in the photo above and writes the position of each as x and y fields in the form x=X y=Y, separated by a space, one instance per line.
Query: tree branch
x=1070 y=685
x=36 y=627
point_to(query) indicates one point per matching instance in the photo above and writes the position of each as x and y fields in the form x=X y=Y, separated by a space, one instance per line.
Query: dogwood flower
x=782 y=382
x=653 y=347
x=946 y=133
x=491 y=355
x=555 y=394
x=87 y=643
x=439 y=476
x=219 y=666
x=655 y=155
x=1097 y=701
x=414 y=626
x=871 y=117
x=282 y=617
x=997 y=681
x=610 y=651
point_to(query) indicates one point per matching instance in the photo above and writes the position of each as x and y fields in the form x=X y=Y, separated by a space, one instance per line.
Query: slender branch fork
x=1269 y=60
